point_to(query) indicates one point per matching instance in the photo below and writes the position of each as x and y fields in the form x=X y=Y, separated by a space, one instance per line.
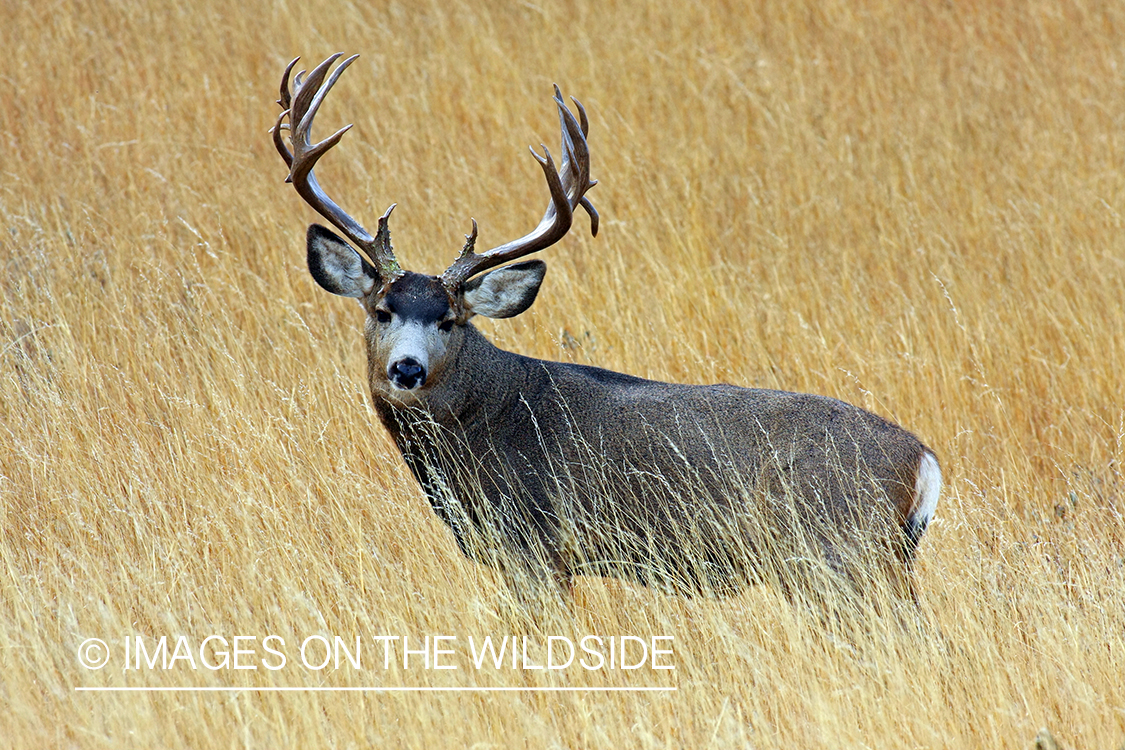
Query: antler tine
x=300 y=108
x=569 y=160
x=584 y=124
x=279 y=142
x=582 y=164
x=575 y=150
x=568 y=185
x=582 y=119
x=284 y=100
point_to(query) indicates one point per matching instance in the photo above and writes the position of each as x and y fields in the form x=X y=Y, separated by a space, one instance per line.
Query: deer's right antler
x=299 y=109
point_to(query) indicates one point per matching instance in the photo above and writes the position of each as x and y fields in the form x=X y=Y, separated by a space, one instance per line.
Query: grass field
x=914 y=207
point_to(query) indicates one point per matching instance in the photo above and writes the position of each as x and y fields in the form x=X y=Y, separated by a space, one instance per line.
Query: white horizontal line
x=489 y=689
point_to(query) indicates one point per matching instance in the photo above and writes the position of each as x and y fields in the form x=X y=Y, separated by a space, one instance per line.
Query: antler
x=300 y=109
x=568 y=187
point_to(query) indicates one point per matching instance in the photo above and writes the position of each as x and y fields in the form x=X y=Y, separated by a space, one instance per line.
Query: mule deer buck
x=549 y=470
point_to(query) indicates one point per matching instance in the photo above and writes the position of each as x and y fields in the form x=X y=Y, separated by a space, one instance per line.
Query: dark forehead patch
x=418 y=297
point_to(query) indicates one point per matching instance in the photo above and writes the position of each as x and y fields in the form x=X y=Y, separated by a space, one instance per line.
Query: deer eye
x=446 y=326
x=382 y=316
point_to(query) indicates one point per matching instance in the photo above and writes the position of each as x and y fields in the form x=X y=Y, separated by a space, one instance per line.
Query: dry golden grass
x=916 y=207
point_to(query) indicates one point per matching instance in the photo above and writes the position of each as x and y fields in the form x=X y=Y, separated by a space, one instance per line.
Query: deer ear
x=505 y=292
x=336 y=266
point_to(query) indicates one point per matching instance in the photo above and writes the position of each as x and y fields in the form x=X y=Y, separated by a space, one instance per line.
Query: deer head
x=415 y=322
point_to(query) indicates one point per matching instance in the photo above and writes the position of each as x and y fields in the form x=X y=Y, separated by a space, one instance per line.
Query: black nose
x=407 y=374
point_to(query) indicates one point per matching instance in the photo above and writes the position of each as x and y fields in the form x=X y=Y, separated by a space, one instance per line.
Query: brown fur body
x=592 y=471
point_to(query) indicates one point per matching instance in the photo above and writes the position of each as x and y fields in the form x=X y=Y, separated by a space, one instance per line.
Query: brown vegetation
x=913 y=207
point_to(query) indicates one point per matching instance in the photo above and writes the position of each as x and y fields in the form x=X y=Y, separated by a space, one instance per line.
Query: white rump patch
x=927 y=488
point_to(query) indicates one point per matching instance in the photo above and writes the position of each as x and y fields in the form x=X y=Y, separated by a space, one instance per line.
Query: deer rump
x=688 y=488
